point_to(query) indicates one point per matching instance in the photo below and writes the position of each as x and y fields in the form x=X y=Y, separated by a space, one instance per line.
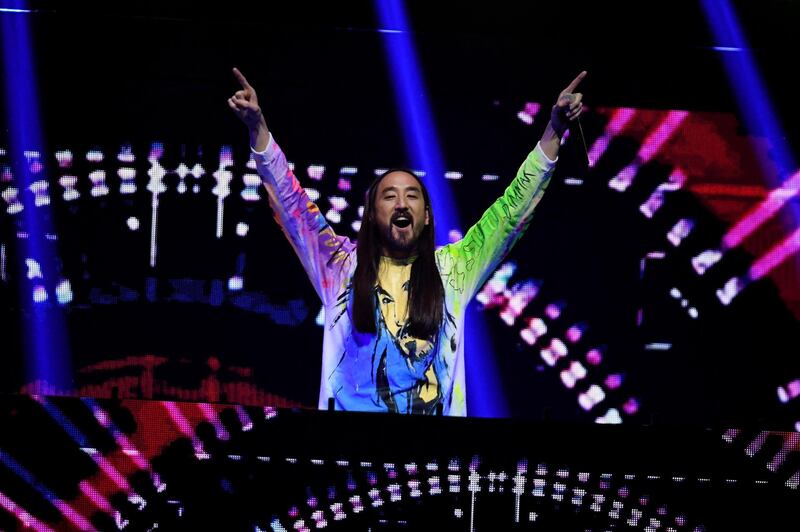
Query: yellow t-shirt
x=394 y=276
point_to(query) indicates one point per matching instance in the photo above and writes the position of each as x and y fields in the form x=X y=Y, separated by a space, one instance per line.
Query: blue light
x=421 y=138
x=46 y=349
x=749 y=89
x=22 y=472
x=68 y=426
x=484 y=396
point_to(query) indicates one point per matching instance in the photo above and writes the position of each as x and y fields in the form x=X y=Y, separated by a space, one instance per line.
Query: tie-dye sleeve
x=466 y=264
x=324 y=255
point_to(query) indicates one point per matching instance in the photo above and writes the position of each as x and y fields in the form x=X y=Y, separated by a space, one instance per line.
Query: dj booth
x=69 y=463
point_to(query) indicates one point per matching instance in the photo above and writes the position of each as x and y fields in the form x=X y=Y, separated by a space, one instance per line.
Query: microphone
x=571 y=98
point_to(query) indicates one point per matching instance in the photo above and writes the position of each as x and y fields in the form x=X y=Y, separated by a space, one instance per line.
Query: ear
x=427 y=215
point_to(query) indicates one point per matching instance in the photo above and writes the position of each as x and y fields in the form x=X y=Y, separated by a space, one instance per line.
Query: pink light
x=212 y=416
x=496 y=285
x=598 y=148
x=156 y=151
x=625 y=177
x=613 y=381
x=112 y=473
x=656 y=139
x=225 y=156
x=244 y=418
x=344 y=184
x=528 y=112
x=72 y=515
x=618 y=121
x=454 y=236
x=631 y=406
x=131 y=451
x=95 y=496
x=651 y=145
x=122 y=440
x=316 y=171
x=731 y=289
x=676 y=180
x=558 y=347
x=553 y=311
x=573 y=374
x=775 y=256
x=680 y=231
x=574 y=334
x=528 y=336
x=594 y=357
x=789 y=392
x=182 y=424
x=23 y=516
x=522 y=295
x=762 y=212
x=64 y=158
x=555 y=351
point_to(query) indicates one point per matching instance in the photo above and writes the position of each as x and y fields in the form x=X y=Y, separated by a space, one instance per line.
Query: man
x=394 y=305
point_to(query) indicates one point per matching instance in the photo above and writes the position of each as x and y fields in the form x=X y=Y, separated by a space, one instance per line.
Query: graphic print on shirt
x=421 y=393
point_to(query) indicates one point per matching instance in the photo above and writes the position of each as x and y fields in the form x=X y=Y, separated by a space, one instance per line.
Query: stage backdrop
x=658 y=282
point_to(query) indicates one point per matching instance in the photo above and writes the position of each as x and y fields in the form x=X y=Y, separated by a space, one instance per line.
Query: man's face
x=400 y=214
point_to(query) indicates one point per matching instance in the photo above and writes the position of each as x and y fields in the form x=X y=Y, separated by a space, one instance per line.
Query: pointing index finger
x=571 y=87
x=240 y=78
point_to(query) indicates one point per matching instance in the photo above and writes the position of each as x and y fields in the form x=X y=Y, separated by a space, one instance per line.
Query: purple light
x=775 y=256
x=613 y=381
x=454 y=236
x=316 y=172
x=751 y=221
x=64 y=158
x=23 y=516
x=658 y=137
x=651 y=145
x=553 y=311
x=621 y=117
x=631 y=406
x=521 y=296
x=213 y=417
x=731 y=289
x=574 y=333
x=676 y=181
x=789 y=392
x=680 y=231
x=529 y=112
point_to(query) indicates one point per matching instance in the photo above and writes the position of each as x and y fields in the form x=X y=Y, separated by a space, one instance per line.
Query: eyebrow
x=393 y=188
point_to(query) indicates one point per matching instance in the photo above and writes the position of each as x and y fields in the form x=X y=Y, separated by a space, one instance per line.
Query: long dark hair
x=425 y=293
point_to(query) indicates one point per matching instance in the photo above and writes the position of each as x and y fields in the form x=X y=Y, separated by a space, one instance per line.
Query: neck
x=398 y=254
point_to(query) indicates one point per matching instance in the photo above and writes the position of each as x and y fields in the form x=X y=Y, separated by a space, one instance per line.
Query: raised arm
x=466 y=264
x=244 y=103
x=324 y=255
x=567 y=109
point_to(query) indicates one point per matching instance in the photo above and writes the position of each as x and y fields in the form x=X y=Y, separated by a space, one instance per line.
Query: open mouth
x=402 y=221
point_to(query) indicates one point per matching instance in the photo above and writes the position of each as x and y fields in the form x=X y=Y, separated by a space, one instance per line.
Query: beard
x=400 y=240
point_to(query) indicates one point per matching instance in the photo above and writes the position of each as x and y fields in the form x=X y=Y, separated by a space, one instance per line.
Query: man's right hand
x=244 y=103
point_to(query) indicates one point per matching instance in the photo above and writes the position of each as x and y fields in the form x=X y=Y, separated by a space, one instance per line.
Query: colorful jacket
x=373 y=372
